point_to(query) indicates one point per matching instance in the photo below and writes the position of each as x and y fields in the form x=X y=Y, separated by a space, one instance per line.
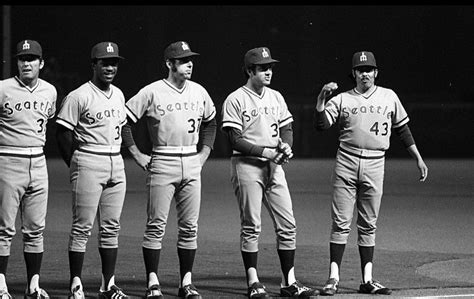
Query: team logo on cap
x=264 y=53
x=110 y=49
x=26 y=45
x=184 y=46
x=363 y=57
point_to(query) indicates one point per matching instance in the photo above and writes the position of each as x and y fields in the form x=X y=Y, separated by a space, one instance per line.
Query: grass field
x=425 y=241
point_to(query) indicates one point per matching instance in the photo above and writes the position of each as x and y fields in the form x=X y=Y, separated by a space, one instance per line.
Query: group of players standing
x=95 y=121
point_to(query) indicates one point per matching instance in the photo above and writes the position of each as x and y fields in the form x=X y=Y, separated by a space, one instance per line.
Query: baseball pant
x=24 y=186
x=98 y=189
x=357 y=181
x=255 y=182
x=177 y=177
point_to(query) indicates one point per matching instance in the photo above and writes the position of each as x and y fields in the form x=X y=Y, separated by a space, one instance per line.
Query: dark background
x=424 y=53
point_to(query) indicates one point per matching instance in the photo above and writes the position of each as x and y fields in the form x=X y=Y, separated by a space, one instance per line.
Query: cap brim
x=362 y=65
x=27 y=54
x=189 y=54
x=104 y=57
x=267 y=61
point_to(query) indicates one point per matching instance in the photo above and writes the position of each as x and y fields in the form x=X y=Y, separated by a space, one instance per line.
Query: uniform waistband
x=237 y=153
x=175 y=150
x=27 y=152
x=361 y=153
x=108 y=150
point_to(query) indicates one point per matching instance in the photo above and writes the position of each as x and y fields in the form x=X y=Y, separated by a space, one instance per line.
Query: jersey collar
x=30 y=89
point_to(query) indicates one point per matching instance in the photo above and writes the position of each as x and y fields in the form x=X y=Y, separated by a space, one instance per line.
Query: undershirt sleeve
x=241 y=145
x=405 y=135
x=207 y=133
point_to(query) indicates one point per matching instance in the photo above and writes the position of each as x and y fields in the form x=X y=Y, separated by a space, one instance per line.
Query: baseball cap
x=105 y=50
x=29 y=47
x=178 y=50
x=259 y=55
x=363 y=58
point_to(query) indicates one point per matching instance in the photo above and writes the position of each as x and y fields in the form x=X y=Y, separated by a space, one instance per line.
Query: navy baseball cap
x=29 y=47
x=363 y=58
x=105 y=50
x=259 y=55
x=178 y=50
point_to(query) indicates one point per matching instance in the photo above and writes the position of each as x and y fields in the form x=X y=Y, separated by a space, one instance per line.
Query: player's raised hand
x=327 y=90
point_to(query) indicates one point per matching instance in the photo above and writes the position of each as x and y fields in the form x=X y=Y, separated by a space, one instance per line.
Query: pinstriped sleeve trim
x=64 y=123
x=131 y=115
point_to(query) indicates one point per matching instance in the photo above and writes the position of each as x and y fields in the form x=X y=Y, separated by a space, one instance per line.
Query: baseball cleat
x=298 y=290
x=38 y=294
x=154 y=292
x=189 y=291
x=330 y=288
x=77 y=293
x=374 y=287
x=114 y=293
x=257 y=290
x=5 y=295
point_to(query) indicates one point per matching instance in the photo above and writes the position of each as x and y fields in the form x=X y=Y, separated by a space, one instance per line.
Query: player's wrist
x=269 y=153
x=320 y=106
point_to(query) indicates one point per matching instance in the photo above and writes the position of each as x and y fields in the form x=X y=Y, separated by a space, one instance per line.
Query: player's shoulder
x=81 y=90
x=153 y=86
x=194 y=84
x=386 y=91
x=47 y=85
x=116 y=89
x=8 y=82
x=236 y=94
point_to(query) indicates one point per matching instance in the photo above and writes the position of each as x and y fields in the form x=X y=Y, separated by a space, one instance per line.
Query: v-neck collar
x=30 y=89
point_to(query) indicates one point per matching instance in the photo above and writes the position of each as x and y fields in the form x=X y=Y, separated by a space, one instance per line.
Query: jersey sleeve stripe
x=210 y=117
x=286 y=121
x=131 y=114
x=330 y=117
x=231 y=124
x=401 y=123
x=64 y=123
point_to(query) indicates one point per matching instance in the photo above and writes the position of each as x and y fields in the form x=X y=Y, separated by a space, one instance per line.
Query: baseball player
x=180 y=116
x=90 y=121
x=26 y=104
x=366 y=116
x=257 y=122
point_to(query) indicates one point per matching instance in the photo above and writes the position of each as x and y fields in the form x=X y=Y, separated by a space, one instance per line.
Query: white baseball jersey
x=24 y=112
x=259 y=117
x=174 y=115
x=366 y=121
x=95 y=117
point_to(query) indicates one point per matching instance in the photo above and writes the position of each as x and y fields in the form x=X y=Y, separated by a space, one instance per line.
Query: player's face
x=263 y=74
x=106 y=69
x=365 y=77
x=29 y=67
x=183 y=68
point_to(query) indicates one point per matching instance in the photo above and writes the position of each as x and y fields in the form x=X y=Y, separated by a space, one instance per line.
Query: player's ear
x=41 y=65
x=168 y=64
x=376 y=72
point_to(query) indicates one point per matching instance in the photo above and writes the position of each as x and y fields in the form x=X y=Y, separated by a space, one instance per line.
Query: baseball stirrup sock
x=287 y=262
